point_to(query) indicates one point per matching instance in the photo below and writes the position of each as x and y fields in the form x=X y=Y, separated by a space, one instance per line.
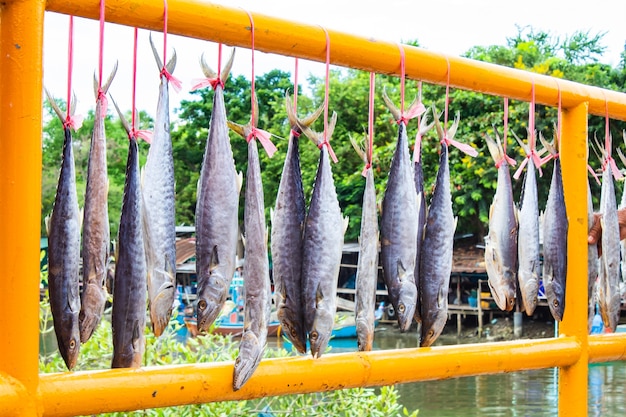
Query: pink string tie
x=263 y=137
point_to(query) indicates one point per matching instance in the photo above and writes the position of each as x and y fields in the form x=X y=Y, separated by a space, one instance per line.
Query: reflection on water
x=528 y=393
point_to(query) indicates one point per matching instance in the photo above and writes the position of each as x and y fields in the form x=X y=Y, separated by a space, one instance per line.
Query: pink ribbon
x=365 y=169
x=74 y=122
x=146 y=135
x=508 y=160
x=414 y=111
x=104 y=103
x=536 y=160
x=176 y=84
x=330 y=149
x=611 y=163
x=199 y=83
x=263 y=137
x=463 y=147
x=593 y=174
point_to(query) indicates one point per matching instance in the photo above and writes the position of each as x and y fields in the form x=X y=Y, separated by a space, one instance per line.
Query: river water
x=528 y=393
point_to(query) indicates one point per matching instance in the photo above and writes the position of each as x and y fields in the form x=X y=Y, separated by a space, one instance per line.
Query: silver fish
x=398 y=228
x=592 y=264
x=257 y=291
x=436 y=256
x=286 y=244
x=128 y=318
x=96 y=234
x=622 y=205
x=609 y=299
x=159 y=212
x=528 y=247
x=501 y=242
x=424 y=127
x=323 y=243
x=216 y=212
x=555 y=225
x=64 y=253
x=367 y=269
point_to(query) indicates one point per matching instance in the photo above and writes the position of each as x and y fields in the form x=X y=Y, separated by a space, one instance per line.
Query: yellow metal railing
x=23 y=391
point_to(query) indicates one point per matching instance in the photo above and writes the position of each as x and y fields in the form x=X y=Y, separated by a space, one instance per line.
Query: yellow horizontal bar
x=14 y=399
x=91 y=392
x=218 y=23
x=607 y=347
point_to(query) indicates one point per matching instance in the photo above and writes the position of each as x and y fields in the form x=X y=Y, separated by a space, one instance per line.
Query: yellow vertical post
x=573 y=379
x=21 y=45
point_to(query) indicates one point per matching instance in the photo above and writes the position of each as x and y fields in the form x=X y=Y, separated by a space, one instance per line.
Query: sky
x=446 y=26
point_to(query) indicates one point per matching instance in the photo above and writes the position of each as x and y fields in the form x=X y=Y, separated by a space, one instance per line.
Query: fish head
x=554 y=293
x=94 y=299
x=321 y=331
x=207 y=310
x=501 y=280
x=529 y=287
x=68 y=339
x=365 y=334
x=293 y=328
x=161 y=307
x=407 y=302
x=434 y=318
x=250 y=354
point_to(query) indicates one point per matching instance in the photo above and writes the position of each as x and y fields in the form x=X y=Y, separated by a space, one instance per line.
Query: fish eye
x=72 y=344
x=201 y=305
x=401 y=308
x=293 y=332
x=431 y=333
x=313 y=335
x=556 y=303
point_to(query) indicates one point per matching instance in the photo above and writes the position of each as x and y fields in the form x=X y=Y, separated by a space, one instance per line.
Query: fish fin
x=358 y=149
x=491 y=211
x=438 y=126
x=228 y=66
x=331 y=125
x=107 y=84
x=215 y=259
x=346 y=221
x=395 y=112
x=294 y=121
x=95 y=85
x=157 y=58
x=551 y=149
x=401 y=271
x=442 y=294
x=272 y=216
x=237 y=128
x=136 y=336
x=424 y=126
x=122 y=118
x=206 y=70
x=54 y=105
x=455 y=125
x=521 y=143
x=171 y=64
x=319 y=295
x=621 y=156
x=495 y=149
x=239 y=180
x=456 y=220
x=243 y=240
x=46 y=221
x=81 y=215
x=198 y=188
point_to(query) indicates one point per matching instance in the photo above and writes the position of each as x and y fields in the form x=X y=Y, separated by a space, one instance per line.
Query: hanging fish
x=64 y=251
x=501 y=242
x=159 y=211
x=216 y=211
x=398 y=226
x=555 y=225
x=324 y=230
x=367 y=268
x=609 y=299
x=592 y=264
x=128 y=318
x=436 y=256
x=424 y=127
x=257 y=304
x=96 y=234
x=287 y=242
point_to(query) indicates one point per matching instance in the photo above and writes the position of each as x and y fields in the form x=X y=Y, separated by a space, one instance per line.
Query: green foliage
x=574 y=57
x=167 y=350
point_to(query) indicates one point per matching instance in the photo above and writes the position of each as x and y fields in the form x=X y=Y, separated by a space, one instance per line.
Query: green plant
x=167 y=350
